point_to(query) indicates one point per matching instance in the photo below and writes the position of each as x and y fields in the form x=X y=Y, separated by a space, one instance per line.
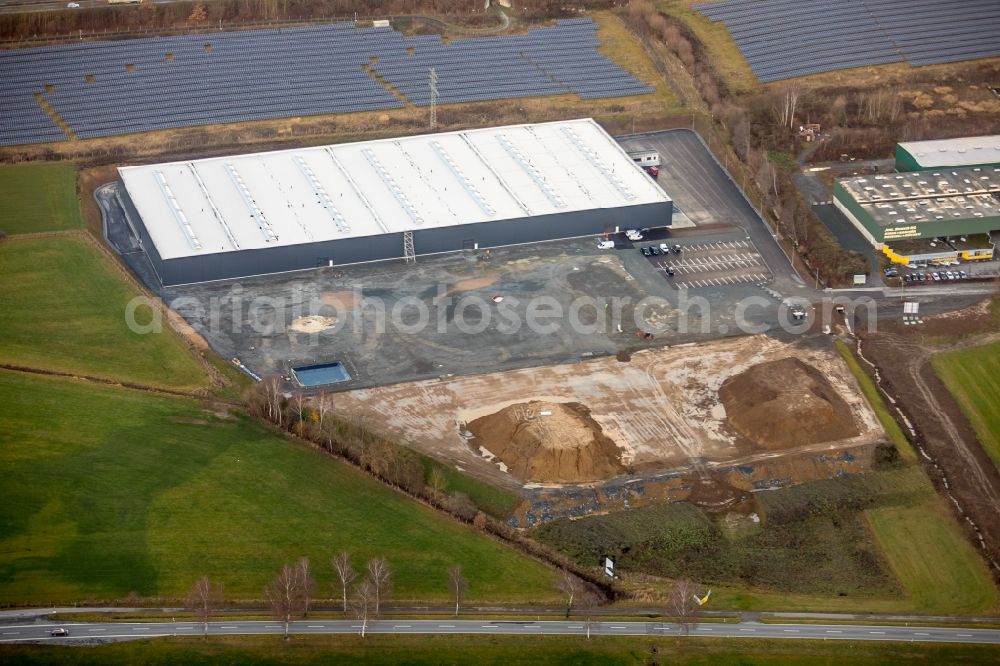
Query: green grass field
x=504 y=650
x=38 y=197
x=938 y=567
x=109 y=491
x=878 y=405
x=62 y=308
x=973 y=377
x=495 y=501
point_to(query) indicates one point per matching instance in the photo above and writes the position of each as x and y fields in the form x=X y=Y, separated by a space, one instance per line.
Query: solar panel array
x=119 y=87
x=782 y=39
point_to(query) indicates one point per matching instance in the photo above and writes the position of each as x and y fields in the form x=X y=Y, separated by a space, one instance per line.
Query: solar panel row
x=787 y=38
x=118 y=87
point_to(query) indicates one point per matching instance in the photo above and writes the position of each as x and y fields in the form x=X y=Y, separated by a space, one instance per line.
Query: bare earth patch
x=661 y=409
x=785 y=403
x=546 y=441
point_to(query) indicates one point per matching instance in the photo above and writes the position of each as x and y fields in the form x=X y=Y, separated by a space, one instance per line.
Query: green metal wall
x=907 y=162
x=957 y=227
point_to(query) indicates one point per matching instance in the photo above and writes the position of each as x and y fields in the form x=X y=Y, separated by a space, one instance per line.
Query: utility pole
x=434 y=97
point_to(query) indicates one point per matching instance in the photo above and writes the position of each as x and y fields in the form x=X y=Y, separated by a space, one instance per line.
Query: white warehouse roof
x=969 y=150
x=323 y=193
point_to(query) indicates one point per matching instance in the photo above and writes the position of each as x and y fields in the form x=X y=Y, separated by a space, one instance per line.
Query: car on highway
x=645 y=251
x=59 y=631
x=73 y=5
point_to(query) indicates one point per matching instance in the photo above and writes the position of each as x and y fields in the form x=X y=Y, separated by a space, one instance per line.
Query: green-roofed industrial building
x=895 y=211
x=969 y=151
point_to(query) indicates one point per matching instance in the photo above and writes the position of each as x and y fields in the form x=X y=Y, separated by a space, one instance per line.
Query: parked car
x=606 y=245
x=676 y=248
x=646 y=252
x=908 y=277
x=963 y=275
x=670 y=271
x=921 y=277
x=936 y=276
x=655 y=250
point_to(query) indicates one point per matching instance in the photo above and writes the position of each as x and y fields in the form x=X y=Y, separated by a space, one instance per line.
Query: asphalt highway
x=115 y=631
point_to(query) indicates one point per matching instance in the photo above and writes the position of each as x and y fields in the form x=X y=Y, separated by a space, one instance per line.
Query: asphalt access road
x=117 y=631
x=692 y=177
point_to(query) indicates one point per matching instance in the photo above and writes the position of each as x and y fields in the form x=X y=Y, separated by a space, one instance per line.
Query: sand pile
x=786 y=403
x=548 y=441
x=312 y=324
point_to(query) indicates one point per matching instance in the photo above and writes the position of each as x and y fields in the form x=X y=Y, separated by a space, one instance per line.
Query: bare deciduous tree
x=272 y=399
x=345 y=572
x=308 y=584
x=380 y=577
x=322 y=407
x=204 y=599
x=586 y=604
x=458 y=584
x=682 y=603
x=569 y=585
x=365 y=601
x=284 y=595
x=436 y=481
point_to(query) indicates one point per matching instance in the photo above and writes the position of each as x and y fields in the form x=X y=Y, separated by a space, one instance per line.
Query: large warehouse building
x=295 y=209
x=969 y=151
x=895 y=210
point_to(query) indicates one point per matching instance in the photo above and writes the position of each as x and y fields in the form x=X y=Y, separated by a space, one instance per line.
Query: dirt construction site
x=663 y=417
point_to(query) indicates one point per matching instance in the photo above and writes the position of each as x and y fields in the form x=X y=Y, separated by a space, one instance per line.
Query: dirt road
x=949 y=449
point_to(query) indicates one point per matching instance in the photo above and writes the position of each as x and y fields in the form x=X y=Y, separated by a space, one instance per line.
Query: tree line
x=353 y=439
x=759 y=128
x=290 y=594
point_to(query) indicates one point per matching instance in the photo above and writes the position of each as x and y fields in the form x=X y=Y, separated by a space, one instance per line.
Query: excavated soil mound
x=717 y=496
x=786 y=403
x=546 y=441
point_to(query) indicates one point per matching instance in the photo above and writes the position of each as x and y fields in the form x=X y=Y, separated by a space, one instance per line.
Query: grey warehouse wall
x=244 y=263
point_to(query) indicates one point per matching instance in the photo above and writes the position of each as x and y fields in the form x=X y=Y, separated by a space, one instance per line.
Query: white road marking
x=877 y=632
x=964 y=635
x=228 y=627
x=401 y=626
x=619 y=627
x=834 y=631
x=748 y=630
x=919 y=633
x=272 y=626
x=791 y=631
x=312 y=626
x=489 y=626
x=575 y=626
x=446 y=626
x=11 y=633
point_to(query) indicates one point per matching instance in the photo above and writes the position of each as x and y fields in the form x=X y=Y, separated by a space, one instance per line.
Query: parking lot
x=711 y=264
